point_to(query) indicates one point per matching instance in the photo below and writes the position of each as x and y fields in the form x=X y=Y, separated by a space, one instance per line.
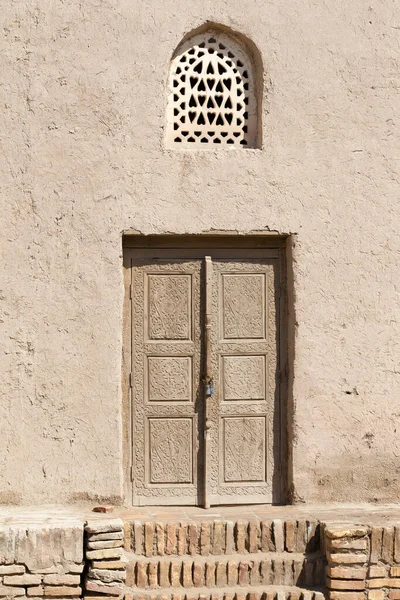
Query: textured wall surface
x=41 y=561
x=83 y=159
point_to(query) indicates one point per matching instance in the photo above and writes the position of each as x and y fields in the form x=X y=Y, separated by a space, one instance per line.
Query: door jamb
x=207 y=243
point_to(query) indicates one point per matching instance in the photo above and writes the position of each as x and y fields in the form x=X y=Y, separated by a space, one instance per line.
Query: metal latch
x=209 y=386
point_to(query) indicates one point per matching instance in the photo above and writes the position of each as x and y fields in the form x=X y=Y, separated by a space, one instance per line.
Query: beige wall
x=83 y=108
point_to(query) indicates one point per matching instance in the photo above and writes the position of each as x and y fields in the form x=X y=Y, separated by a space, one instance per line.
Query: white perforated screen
x=212 y=96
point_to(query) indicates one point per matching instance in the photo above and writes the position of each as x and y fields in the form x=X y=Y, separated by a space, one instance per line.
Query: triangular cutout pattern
x=217 y=102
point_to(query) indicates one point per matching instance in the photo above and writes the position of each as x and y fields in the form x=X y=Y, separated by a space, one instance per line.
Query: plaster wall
x=83 y=159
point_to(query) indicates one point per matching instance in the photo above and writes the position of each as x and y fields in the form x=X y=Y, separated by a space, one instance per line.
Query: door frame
x=205 y=244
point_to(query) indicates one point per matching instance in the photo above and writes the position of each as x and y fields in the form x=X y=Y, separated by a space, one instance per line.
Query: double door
x=205 y=377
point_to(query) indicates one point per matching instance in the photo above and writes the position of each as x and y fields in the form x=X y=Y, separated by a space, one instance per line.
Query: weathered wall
x=83 y=108
x=41 y=560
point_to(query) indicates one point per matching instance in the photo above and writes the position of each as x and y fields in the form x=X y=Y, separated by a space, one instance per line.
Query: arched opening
x=213 y=92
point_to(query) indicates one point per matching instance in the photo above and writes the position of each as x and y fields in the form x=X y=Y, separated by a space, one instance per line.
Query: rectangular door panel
x=242 y=309
x=243 y=377
x=169 y=378
x=170 y=450
x=243 y=449
x=169 y=300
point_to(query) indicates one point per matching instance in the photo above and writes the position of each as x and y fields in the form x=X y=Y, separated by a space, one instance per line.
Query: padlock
x=209 y=389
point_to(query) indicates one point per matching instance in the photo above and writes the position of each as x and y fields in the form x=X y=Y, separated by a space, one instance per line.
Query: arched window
x=212 y=97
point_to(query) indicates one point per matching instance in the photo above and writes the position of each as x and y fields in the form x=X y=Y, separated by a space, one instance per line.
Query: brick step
x=233 y=593
x=247 y=569
x=216 y=537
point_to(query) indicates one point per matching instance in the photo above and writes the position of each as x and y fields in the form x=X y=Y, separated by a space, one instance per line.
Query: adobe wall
x=84 y=98
x=39 y=560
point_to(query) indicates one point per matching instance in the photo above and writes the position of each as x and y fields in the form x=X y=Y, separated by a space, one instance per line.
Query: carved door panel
x=166 y=365
x=241 y=415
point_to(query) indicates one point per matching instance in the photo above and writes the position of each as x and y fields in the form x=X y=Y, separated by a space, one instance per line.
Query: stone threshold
x=57 y=514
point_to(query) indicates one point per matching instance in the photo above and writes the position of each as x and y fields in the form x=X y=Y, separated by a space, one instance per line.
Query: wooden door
x=165 y=381
x=194 y=444
x=242 y=412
